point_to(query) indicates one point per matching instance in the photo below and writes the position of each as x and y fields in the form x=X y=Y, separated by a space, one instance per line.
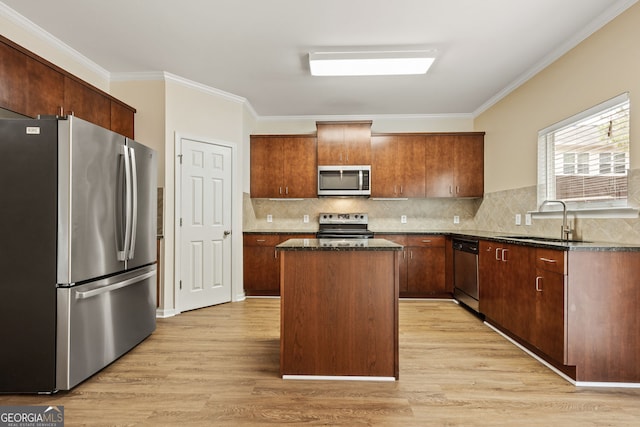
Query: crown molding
x=138 y=76
x=166 y=76
x=413 y=117
x=611 y=13
x=55 y=43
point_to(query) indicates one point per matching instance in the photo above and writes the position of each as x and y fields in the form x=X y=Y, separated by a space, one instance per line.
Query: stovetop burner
x=344 y=226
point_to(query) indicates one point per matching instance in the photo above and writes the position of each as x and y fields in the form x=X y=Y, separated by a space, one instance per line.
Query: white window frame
x=546 y=161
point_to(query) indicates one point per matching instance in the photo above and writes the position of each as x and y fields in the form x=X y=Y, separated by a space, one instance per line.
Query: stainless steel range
x=344 y=226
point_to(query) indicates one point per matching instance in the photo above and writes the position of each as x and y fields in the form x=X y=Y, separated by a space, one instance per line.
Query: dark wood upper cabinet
x=32 y=86
x=86 y=104
x=46 y=90
x=455 y=165
x=397 y=165
x=469 y=165
x=122 y=120
x=283 y=166
x=384 y=166
x=13 y=79
x=344 y=143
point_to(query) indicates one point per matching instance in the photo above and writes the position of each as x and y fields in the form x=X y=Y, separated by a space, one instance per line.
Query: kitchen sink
x=543 y=239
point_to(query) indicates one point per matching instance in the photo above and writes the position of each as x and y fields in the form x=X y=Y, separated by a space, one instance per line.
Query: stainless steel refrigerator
x=77 y=250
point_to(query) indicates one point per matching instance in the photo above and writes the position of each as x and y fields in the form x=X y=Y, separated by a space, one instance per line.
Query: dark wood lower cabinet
x=339 y=313
x=261 y=264
x=426 y=266
x=577 y=309
x=548 y=327
x=422 y=265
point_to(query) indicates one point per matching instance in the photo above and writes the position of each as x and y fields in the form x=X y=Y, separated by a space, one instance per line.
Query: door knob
x=227 y=232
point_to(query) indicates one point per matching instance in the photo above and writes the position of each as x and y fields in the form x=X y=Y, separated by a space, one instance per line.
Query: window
x=584 y=159
x=575 y=163
x=613 y=163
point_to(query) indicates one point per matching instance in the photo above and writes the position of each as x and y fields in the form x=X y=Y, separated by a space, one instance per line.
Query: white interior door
x=205 y=241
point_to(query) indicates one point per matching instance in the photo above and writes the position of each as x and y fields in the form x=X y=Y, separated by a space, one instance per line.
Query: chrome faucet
x=566 y=229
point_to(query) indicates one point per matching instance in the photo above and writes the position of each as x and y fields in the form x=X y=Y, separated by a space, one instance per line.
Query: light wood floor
x=219 y=366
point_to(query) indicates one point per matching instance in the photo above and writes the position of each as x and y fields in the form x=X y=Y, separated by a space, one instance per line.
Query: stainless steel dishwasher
x=465 y=272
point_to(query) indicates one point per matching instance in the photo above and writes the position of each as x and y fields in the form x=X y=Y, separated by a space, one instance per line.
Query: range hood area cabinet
x=344 y=143
x=283 y=166
x=31 y=86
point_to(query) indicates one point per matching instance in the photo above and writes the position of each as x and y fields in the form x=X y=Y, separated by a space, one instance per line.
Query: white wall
x=196 y=112
x=149 y=98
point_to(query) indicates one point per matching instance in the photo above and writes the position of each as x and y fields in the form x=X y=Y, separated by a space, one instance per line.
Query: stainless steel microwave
x=344 y=180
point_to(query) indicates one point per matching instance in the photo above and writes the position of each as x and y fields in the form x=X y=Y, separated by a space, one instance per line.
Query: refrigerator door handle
x=134 y=203
x=114 y=286
x=124 y=254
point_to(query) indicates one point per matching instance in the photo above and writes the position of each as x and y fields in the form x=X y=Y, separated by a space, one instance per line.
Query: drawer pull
x=552 y=261
x=426 y=241
x=261 y=240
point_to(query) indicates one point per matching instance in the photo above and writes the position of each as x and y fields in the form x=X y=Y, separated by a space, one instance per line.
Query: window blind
x=584 y=160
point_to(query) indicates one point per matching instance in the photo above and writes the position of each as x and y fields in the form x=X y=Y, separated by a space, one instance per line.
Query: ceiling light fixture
x=370 y=63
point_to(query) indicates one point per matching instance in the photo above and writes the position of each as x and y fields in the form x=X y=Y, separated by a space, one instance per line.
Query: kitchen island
x=339 y=309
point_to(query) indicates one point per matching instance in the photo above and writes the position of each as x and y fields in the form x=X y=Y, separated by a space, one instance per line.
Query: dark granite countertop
x=546 y=242
x=510 y=238
x=280 y=231
x=338 y=245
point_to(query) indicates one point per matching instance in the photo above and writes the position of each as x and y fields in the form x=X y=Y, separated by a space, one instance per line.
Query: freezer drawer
x=100 y=321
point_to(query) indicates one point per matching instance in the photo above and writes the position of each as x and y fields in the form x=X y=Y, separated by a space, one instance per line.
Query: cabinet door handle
x=286 y=190
x=538 y=281
x=275 y=254
x=401 y=190
x=552 y=261
x=497 y=256
x=504 y=258
x=279 y=190
x=410 y=254
x=450 y=189
x=457 y=189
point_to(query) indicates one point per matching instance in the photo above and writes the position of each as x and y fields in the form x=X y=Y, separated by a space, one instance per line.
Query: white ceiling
x=257 y=49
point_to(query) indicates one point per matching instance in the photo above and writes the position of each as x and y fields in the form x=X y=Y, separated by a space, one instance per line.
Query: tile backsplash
x=495 y=212
x=384 y=215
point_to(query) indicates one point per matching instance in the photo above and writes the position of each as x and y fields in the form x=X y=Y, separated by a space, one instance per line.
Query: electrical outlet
x=305 y=218
x=518 y=219
x=456 y=219
x=403 y=219
x=269 y=218
x=527 y=219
